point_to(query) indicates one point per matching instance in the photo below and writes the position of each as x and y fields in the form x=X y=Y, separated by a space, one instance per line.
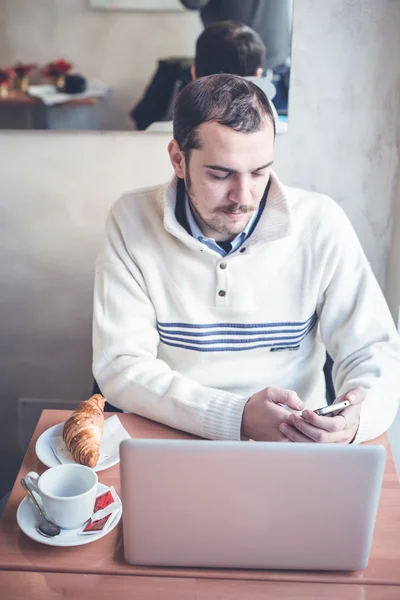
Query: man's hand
x=340 y=429
x=262 y=414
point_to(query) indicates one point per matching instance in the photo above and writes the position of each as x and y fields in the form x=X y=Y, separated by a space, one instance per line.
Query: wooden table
x=21 y=111
x=16 y=97
x=21 y=585
x=105 y=556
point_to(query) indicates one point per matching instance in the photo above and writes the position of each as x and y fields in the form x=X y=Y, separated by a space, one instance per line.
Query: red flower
x=21 y=69
x=57 y=67
x=6 y=75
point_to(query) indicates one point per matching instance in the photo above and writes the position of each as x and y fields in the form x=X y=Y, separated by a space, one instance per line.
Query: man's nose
x=240 y=191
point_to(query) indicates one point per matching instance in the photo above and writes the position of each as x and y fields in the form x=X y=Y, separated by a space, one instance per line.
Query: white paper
x=49 y=94
x=113 y=435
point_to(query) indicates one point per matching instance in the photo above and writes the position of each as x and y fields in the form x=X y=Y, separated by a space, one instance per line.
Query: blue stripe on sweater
x=261 y=331
x=295 y=339
x=227 y=348
x=236 y=325
x=171 y=337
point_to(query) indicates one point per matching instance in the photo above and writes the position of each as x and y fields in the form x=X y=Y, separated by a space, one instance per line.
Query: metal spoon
x=45 y=526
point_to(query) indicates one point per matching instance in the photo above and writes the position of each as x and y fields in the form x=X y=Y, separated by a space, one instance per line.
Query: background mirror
x=117 y=50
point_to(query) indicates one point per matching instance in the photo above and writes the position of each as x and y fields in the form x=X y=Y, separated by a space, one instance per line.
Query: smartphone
x=333 y=408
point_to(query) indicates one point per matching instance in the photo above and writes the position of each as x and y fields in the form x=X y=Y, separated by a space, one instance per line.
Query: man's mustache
x=235 y=208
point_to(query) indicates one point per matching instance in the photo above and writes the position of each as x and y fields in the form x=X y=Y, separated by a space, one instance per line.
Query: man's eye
x=256 y=174
x=221 y=178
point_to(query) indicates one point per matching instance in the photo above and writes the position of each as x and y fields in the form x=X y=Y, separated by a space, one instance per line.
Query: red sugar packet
x=103 y=501
x=107 y=502
x=106 y=507
x=96 y=525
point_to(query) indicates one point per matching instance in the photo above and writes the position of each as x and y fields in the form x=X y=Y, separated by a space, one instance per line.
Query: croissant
x=84 y=429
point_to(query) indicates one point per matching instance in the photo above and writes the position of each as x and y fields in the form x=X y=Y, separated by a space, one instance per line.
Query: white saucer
x=27 y=519
x=45 y=453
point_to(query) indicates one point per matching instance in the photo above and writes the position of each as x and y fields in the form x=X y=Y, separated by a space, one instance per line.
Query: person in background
x=218 y=294
x=271 y=19
x=229 y=47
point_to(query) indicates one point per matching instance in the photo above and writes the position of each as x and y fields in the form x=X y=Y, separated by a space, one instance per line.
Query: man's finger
x=316 y=434
x=287 y=397
x=332 y=424
x=293 y=434
x=355 y=395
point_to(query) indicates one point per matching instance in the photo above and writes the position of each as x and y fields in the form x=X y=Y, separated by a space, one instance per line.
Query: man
x=229 y=47
x=217 y=295
x=272 y=19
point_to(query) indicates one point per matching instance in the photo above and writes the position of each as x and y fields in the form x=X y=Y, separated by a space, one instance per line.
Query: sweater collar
x=275 y=221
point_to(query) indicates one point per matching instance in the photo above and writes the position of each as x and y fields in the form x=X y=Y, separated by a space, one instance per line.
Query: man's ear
x=259 y=72
x=177 y=158
x=193 y=72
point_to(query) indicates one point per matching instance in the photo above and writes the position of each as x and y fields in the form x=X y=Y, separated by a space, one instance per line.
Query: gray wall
x=344 y=121
x=56 y=192
x=393 y=266
x=57 y=188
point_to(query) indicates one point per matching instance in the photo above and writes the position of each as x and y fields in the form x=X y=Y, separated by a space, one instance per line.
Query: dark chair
x=330 y=389
x=107 y=407
x=3 y=502
x=157 y=102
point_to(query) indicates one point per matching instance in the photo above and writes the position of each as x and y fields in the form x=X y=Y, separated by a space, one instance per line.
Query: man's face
x=226 y=177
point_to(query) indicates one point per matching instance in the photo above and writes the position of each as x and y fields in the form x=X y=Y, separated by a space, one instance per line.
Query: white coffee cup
x=68 y=493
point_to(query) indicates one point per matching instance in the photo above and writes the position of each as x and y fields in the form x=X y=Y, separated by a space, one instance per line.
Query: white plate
x=27 y=519
x=45 y=453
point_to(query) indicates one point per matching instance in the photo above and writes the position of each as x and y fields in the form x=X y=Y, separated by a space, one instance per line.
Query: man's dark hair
x=228 y=100
x=229 y=47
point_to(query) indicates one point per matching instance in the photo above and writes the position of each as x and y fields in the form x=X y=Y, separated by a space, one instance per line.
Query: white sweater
x=169 y=345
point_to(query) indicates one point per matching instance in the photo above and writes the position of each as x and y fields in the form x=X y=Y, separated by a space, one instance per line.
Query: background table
x=21 y=111
x=105 y=556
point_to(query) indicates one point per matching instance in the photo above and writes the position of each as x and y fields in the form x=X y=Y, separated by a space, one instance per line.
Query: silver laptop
x=252 y=505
